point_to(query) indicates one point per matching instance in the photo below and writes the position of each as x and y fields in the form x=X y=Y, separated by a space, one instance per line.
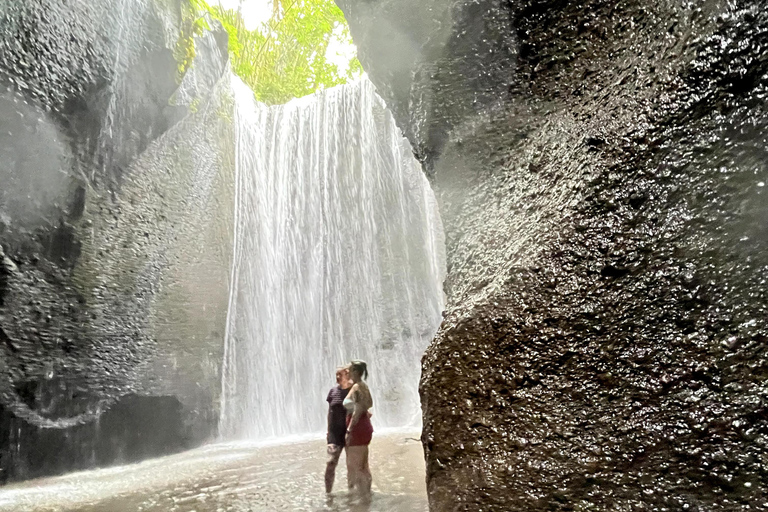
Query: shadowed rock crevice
x=135 y=428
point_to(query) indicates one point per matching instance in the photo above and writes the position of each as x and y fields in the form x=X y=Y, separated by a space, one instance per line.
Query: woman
x=359 y=428
x=337 y=426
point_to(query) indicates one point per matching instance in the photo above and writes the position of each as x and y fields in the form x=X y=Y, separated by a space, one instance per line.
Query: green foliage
x=286 y=58
x=192 y=24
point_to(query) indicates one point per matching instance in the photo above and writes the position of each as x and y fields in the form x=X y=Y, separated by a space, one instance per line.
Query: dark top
x=337 y=416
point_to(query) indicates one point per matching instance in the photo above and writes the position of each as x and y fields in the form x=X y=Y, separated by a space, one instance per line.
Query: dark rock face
x=605 y=342
x=115 y=222
x=436 y=62
x=130 y=430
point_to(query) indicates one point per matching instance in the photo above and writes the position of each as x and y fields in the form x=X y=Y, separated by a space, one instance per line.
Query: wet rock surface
x=114 y=233
x=604 y=346
x=436 y=63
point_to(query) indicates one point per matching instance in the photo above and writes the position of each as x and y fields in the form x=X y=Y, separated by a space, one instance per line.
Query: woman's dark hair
x=360 y=367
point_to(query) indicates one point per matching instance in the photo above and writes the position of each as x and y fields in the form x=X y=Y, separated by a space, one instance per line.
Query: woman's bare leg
x=365 y=477
x=355 y=460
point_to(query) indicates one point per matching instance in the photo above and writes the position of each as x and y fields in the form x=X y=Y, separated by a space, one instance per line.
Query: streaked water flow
x=338 y=256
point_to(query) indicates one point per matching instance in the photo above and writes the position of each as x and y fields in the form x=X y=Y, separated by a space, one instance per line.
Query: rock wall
x=115 y=231
x=601 y=171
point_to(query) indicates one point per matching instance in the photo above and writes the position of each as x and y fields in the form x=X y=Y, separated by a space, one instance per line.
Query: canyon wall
x=601 y=173
x=115 y=231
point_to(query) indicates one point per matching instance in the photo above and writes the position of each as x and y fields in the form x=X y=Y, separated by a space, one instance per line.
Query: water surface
x=234 y=477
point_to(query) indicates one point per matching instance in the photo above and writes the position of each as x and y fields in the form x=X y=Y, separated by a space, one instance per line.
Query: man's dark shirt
x=337 y=415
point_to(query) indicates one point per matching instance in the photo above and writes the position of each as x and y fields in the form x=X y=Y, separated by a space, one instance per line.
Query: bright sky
x=256 y=12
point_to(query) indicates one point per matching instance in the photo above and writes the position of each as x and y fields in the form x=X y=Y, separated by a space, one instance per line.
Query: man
x=337 y=424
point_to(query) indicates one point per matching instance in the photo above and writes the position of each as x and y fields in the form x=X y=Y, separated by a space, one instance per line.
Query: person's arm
x=328 y=420
x=358 y=411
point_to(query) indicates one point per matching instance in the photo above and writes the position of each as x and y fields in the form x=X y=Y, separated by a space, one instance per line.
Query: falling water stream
x=338 y=257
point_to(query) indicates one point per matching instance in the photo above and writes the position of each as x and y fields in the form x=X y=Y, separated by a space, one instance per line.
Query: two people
x=349 y=426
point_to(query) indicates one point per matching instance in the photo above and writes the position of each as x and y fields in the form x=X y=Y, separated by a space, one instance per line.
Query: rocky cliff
x=601 y=170
x=115 y=231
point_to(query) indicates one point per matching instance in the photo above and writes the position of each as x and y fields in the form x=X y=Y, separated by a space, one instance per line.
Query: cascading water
x=338 y=256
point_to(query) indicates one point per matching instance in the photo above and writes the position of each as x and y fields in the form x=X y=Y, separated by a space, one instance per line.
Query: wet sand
x=234 y=478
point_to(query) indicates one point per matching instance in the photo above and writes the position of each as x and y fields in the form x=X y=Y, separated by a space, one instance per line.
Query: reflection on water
x=234 y=478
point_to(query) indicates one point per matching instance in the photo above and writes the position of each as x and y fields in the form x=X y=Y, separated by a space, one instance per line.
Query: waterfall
x=338 y=256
